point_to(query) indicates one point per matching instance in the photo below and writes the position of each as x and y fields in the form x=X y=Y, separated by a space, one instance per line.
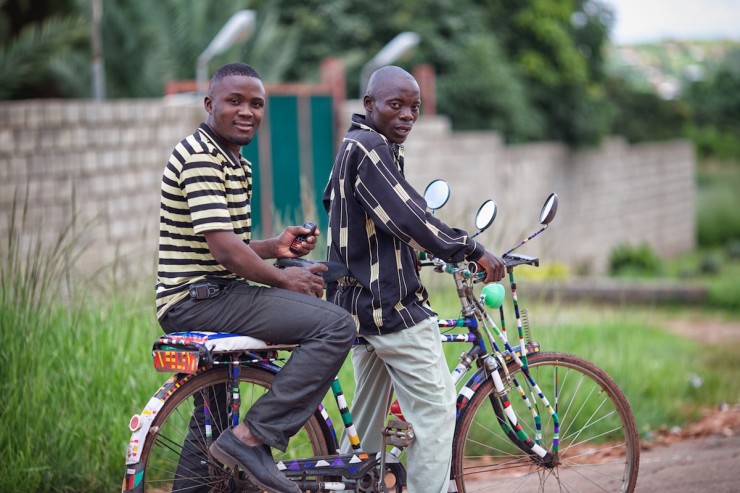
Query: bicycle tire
x=162 y=449
x=598 y=442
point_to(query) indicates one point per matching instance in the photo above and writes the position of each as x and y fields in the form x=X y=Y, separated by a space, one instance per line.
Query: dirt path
x=709 y=463
x=710 y=331
x=704 y=456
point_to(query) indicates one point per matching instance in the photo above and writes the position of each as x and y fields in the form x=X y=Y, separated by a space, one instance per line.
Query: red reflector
x=176 y=361
x=135 y=422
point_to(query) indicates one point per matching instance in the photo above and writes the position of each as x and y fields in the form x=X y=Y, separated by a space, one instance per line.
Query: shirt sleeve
x=399 y=210
x=203 y=182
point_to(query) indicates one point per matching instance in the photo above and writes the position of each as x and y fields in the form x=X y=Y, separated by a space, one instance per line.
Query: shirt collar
x=359 y=121
x=221 y=144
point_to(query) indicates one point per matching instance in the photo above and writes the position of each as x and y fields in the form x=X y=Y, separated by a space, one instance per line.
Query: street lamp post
x=237 y=28
x=395 y=49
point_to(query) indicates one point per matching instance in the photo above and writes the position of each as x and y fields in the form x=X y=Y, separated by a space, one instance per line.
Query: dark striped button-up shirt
x=377 y=222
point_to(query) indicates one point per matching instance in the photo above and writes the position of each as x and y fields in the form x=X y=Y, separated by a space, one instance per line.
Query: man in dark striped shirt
x=205 y=243
x=377 y=223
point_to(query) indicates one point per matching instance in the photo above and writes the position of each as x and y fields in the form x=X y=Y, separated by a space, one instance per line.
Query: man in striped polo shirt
x=206 y=257
x=377 y=222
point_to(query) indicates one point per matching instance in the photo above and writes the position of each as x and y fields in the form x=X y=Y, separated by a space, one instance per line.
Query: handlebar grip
x=337 y=270
x=514 y=259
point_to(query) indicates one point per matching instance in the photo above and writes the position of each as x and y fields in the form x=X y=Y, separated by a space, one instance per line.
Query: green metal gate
x=291 y=158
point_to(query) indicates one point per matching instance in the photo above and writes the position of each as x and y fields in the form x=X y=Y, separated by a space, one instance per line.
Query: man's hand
x=493 y=265
x=282 y=247
x=305 y=280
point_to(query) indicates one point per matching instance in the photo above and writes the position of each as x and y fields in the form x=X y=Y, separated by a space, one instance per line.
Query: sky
x=641 y=21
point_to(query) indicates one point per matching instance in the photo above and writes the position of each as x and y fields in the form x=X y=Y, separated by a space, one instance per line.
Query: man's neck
x=231 y=151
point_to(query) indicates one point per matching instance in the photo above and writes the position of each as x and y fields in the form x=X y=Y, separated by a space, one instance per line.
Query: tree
x=557 y=48
x=642 y=115
x=531 y=69
x=715 y=111
x=481 y=90
x=37 y=42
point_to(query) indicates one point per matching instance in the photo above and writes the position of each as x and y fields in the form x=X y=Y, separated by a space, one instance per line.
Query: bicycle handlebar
x=511 y=260
x=337 y=270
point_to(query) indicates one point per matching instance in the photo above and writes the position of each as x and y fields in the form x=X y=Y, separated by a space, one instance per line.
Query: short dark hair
x=234 y=69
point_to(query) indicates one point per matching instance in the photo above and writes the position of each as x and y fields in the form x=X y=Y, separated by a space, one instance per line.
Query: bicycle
x=586 y=434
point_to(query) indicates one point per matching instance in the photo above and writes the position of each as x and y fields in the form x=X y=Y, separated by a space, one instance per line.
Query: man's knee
x=348 y=329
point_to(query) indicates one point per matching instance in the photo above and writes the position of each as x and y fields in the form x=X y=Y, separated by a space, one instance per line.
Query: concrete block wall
x=618 y=193
x=94 y=166
x=104 y=161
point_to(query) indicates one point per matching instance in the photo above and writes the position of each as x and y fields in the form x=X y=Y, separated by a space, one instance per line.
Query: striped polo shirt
x=377 y=222
x=203 y=189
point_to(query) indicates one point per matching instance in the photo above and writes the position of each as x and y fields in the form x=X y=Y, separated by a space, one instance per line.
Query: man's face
x=395 y=108
x=235 y=106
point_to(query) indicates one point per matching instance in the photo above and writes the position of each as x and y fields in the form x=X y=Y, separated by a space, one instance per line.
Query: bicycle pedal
x=398 y=433
x=240 y=483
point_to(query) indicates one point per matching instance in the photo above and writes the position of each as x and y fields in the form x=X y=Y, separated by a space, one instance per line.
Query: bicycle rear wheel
x=598 y=445
x=171 y=465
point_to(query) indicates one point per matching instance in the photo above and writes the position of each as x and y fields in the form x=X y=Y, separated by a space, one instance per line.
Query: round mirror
x=486 y=214
x=436 y=194
x=547 y=214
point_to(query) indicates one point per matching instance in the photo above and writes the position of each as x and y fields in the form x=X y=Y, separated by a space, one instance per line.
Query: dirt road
x=706 y=455
x=710 y=463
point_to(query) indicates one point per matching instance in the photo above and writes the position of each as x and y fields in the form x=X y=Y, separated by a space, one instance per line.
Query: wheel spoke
x=175 y=454
x=598 y=449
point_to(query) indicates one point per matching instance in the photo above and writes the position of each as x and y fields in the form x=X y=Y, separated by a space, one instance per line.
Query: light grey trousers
x=413 y=363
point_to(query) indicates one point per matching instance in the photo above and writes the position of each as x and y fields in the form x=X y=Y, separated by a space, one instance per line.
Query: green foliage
x=642 y=115
x=717 y=204
x=626 y=259
x=27 y=60
x=713 y=142
x=502 y=103
x=716 y=111
x=65 y=369
x=560 y=61
x=715 y=268
x=149 y=43
x=526 y=69
x=530 y=69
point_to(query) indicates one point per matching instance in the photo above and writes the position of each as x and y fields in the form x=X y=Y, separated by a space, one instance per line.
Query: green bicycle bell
x=493 y=295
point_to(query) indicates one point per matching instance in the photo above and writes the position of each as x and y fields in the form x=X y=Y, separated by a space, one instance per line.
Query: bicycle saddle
x=215 y=342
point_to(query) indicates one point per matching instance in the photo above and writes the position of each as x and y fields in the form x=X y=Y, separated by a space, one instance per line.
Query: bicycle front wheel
x=598 y=445
x=175 y=453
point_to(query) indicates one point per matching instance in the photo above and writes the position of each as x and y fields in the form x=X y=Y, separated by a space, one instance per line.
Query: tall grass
x=70 y=362
x=717 y=204
x=668 y=379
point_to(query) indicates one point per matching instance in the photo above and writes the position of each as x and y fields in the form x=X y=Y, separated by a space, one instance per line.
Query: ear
x=208 y=104
x=368 y=103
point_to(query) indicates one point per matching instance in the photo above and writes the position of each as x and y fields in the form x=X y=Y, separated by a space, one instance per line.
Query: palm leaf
x=25 y=59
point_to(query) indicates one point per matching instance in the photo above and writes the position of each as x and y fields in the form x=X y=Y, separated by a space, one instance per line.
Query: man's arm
x=247 y=262
x=279 y=247
x=397 y=208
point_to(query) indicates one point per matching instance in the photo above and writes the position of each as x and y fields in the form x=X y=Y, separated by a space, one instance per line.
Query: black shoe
x=256 y=462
